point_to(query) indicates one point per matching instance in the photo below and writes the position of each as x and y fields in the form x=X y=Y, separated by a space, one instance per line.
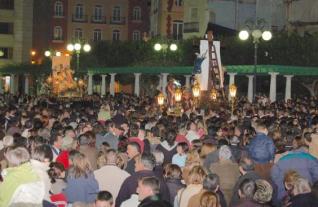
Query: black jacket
x=154 y=201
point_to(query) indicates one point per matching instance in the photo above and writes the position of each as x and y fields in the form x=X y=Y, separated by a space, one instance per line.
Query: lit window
x=137 y=13
x=58 y=9
x=97 y=35
x=78 y=34
x=58 y=33
x=136 y=35
x=116 y=35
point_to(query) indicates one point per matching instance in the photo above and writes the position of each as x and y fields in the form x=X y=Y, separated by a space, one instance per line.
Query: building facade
x=138 y=19
x=166 y=18
x=15 y=31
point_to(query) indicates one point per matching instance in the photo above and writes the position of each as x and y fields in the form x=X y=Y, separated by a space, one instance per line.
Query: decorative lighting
x=77 y=46
x=157 y=47
x=196 y=89
x=58 y=54
x=267 y=35
x=161 y=99
x=243 y=35
x=257 y=33
x=49 y=80
x=47 y=53
x=233 y=90
x=178 y=95
x=33 y=53
x=80 y=82
x=173 y=47
x=1 y=53
x=87 y=48
x=214 y=94
x=70 y=47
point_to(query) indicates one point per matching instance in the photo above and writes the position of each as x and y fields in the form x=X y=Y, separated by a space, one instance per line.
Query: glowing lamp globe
x=157 y=47
x=87 y=48
x=243 y=35
x=196 y=90
x=77 y=46
x=80 y=82
x=47 y=53
x=70 y=47
x=257 y=34
x=267 y=35
x=161 y=99
x=178 y=95
x=173 y=47
x=233 y=90
x=58 y=54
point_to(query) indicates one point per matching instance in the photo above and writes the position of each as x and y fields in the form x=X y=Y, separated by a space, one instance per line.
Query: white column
x=288 y=87
x=231 y=81
x=164 y=82
x=12 y=85
x=187 y=83
x=159 y=87
x=26 y=84
x=90 y=84
x=112 y=84
x=272 y=90
x=137 y=84
x=1 y=85
x=103 y=91
x=250 y=88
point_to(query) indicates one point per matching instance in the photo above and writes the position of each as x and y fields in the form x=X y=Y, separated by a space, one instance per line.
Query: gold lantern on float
x=80 y=82
x=178 y=95
x=233 y=90
x=196 y=89
x=49 y=80
x=214 y=94
x=161 y=99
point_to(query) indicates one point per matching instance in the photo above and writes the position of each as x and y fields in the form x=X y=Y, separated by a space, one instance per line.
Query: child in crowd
x=180 y=157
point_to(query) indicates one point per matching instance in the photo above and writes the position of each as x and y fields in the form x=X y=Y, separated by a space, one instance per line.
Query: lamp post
x=164 y=48
x=77 y=48
x=232 y=90
x=257 y=32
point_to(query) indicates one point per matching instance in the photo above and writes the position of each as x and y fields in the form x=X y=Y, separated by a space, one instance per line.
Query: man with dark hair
x=148 y=193
x=133 y=150
x=111 y=137
x=56 y=141
x=104 y=199
x=144 y=166
x=246 y=167
x=246 y=192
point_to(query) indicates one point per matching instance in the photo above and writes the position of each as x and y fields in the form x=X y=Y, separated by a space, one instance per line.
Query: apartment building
x=166 y=18
x=15 y=31
x=138 y=19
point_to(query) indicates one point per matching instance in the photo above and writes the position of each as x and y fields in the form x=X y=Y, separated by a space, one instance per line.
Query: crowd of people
x=126 y=151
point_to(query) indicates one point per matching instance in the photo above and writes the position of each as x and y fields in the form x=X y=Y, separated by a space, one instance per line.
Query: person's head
x=295 y=184
x=69 y=132
x=145 y=162
x=101 y=159
x=56 y=171
x=196 y=175
x=191 y=126
x=159 y=156
x=182 y=148
x=206 y=149
x=71 y=155
x=56 y=140
x=17 y=156
x=264 y=191
x=172 y=171
x=81 y=166
x=225 y=153
x=170 y=137
x=111 y=157
x=42 y=153
x=211 y=182
x=209 y=199
x=246 y=165
x=148 y=186
x=133 y=149
x=247 y=189
x=193 y=157
x=104 y=199
x=260 y=127
x=121 y=160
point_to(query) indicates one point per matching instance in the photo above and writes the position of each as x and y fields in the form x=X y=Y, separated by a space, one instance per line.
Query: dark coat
x=153 y=201
x=168 y=151
x=174 y=186
x=130 y=185
x=262 y=148
x=130 y=166
x=304 y=200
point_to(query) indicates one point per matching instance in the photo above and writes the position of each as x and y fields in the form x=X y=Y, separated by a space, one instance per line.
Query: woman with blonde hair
x=194 y=186
x=193 y=159
x=209 y=199
x=81 y=183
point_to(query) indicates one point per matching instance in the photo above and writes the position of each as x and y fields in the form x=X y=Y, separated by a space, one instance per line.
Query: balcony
x=79 y=18
x=118 y=21
x=190 y=27
x=98 y=19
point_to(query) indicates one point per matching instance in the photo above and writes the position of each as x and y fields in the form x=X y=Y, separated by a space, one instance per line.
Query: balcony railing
x=121 y=20
x=79 y=18
x=191 y=27
x=98 y=19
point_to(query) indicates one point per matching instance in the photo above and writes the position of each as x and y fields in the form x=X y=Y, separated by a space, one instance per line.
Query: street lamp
x=232 y=90
x=164 y=48
x=257 y=33
x=77 y=48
